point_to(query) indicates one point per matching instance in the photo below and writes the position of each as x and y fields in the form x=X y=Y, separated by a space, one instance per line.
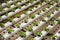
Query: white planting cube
x=10 y=13
x=4 y=17
x=12 y=6
x=17 y=10
x=3 y=4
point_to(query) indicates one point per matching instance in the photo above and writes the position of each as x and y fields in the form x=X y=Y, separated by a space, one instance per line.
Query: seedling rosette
x=2 y=25
x=32 y=16
x=22 y=34
x=29 y=28
x=38 y=34
x=10 y=19
x=10 y=31
x=18 y=25
x=35 y=23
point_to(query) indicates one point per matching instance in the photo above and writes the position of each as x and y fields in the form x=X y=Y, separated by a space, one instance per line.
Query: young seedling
x=30 y=38
x=36 y=6
x=18 y=25
x=8 y=6
x=40 y=3
x=13 y=10
x=19 y=7
x=10 y=31
x=46 y=29
x=44 y=20
x=25 y=20
x=29 y=28
x=6 y=14
x=51 y=3
x=57 y=8
x=1 y=37
x=31 y=1
x=39 y=12
x=30 y=9
x=58 y=20
x=17 y=15
x=53 y=37
x=15 y=3
x=44 y=10
x=48 y=15
x=52 y=23
x=2 y=25
x=1 y=9
x=20 y=0
x=35 y=23
x=46 y=1
x=10 y=19
x=32 y=16
x=25 y=12
x=22 y=34
x=38 y=34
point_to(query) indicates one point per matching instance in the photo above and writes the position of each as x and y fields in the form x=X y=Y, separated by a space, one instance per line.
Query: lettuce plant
x=30 y=38
x=18 y=25
x=25 y=12
x=58 y=20
x=15 y=3
x=35 y=23
x=48 y=15
x=6 y=14
x=30 y=9
x=8 y=6
x=38 y=33
x=10 y=31
x=22 y=34
x=39 y=12
x=46 y=29
x=2 y=25
x=53 y=37
x=32 y=16
x=19 y=7
x=25 y=20
x=31 y=1
x=52 y=23
x=10 y=19
x=17 y=15
x=29 y=28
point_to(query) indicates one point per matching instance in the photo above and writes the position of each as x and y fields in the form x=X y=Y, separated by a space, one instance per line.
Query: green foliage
x=48 y=15
x=38 y=33
x=22 y=34
x=32 y=16
x=29 y=28
x=46 y=29
x=58 y=20
x=30 y=9
x=2 y=25
x=17 y=25
x=30 y=38
x=53 y=37
x=35 y=23
x=15 y=3
x=19 y=7
x=25 y=20
x=17 y=15
x=25 y=12
x=10 y=19
x=8 y=6
x=31 y=1
x=10 y=31
x=52 y=23
x=6 y=14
